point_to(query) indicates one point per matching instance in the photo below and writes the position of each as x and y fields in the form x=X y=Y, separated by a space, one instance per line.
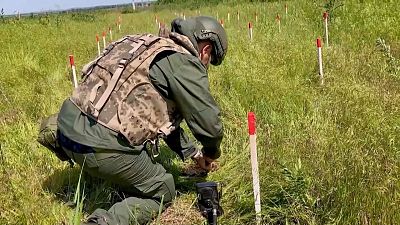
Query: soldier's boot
x=97 y=219
x=88 y=223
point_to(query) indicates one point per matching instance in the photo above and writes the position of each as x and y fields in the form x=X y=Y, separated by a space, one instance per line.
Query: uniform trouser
x=137 y=175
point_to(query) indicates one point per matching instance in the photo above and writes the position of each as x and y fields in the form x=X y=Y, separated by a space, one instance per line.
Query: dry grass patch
x=181 y=212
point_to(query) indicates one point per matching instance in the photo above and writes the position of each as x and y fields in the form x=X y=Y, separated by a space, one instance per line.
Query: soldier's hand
x=203 y=161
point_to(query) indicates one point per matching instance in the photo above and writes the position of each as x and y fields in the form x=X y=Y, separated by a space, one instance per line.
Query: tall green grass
x=327 y=154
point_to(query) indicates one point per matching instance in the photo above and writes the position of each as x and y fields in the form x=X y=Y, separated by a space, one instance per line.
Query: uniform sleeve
x=180 y=143
x=191 y=93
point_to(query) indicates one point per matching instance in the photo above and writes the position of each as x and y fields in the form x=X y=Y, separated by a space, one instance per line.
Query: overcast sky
x=26 y=6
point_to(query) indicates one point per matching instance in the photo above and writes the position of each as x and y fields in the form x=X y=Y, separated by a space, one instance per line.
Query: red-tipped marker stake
x=325 y=16
x=286 y=9
x=278 y=20
x=72 y=64
x=250 y=31
x=98 y=44
x=104 y=39
x=221 y=22
x=110 y=31
x=119 y=23
x=256 y=15
x=161 y=29
x=229 y=17
x=156 y=19
x=319 y=49
x=238 y=15
x=251 y=118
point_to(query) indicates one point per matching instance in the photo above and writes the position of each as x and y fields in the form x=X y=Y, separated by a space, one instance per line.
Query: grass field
x=328 y=154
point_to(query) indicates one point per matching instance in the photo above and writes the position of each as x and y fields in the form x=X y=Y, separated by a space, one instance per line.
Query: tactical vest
x=116 y=90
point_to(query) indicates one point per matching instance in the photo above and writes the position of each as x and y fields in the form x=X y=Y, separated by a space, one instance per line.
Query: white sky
x=27 y=6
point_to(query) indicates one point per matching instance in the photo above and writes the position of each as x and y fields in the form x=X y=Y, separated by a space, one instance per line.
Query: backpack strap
x=88 y=68
x=146 y=40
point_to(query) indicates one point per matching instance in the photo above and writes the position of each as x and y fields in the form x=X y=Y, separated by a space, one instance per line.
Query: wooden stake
x=104 y=39
x=254 y=165
x=98 y=44
x=319 y=51
x=278 y=20
x=325 y=16
x=109 y=29
x=119 y=23
x=72 y=64
x=162 y=30
x=250 y=31
x=286 y=9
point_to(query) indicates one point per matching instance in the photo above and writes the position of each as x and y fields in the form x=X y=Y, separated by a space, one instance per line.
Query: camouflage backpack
x=116 y=90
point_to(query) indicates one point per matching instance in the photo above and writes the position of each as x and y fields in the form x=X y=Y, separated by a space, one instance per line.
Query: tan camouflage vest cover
x=116 y=90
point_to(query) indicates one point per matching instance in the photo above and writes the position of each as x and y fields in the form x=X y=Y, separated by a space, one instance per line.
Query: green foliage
x=44 y=19
x=160 y=209
x=195 y=4
x=79 y=197
x=83 y=17
x=290 y=200
x=392 y=62
x=331 y=6
x=127 y=10
x=59 y=20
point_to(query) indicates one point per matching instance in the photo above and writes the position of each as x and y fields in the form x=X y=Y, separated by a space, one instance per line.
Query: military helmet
x=210 y=29
x=204 y=28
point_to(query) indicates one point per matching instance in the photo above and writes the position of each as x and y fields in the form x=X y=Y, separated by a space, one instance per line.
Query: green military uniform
x=105 y=153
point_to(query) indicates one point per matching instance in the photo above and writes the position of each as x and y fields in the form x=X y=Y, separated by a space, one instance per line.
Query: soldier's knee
x=168 y=188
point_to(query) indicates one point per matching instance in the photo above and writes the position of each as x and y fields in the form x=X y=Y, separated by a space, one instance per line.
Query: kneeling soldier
x=138 y=91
